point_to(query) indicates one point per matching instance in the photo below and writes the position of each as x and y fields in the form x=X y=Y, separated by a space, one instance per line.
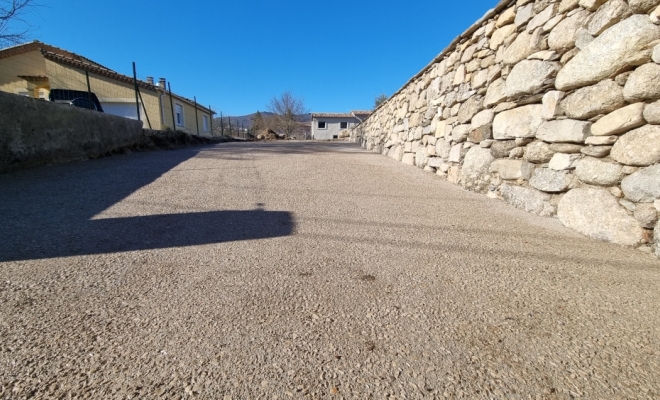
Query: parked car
x=76 y=98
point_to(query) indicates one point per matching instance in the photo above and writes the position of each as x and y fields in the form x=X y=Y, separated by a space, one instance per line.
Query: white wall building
x=328 y=125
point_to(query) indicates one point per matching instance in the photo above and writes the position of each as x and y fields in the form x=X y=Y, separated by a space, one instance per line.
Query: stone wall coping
x=502 y=5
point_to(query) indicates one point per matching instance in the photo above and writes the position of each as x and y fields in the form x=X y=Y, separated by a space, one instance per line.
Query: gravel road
x=306 y=270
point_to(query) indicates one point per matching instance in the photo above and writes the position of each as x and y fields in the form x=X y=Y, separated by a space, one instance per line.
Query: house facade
x=34 y=69
x=329 y=125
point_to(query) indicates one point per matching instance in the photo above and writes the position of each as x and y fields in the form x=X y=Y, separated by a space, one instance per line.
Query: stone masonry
x=552 y=106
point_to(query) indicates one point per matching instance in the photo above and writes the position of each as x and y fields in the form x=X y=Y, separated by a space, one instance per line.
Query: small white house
x=328 y=125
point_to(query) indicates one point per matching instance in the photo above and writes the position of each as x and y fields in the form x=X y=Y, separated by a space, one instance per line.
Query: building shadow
x=49 y=211
x=150 y=232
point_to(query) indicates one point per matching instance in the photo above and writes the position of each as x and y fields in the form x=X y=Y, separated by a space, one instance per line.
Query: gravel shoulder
x=306 y=270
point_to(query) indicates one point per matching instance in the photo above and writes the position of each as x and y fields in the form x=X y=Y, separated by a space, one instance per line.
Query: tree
x=288 y=113
x=258 y=123
x=380 y=99
x=13 y=28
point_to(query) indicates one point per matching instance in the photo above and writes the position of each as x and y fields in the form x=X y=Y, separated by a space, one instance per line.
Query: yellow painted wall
x=66 y=77
x=31 y=63
x=188 y=116
x=62 y=76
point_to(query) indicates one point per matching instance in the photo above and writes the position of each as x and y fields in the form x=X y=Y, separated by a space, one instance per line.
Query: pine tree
x=258 y=123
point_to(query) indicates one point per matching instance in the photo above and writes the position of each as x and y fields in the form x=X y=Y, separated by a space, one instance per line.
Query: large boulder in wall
x=597 y=214
x=620 y=46
x=474 y=174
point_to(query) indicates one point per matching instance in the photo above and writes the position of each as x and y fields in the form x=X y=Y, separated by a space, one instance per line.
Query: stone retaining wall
x=34 y=132
x=552 y=106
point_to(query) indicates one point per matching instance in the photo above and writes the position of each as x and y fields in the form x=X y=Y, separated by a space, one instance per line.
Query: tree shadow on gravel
x=236 y=150
x=550 y=256
x=47 y=211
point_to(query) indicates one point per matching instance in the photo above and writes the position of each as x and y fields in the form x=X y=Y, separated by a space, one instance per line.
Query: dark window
x=179 y=114
x=83 y=102
x=322 y=125
x=335 y=136
x=343 y=125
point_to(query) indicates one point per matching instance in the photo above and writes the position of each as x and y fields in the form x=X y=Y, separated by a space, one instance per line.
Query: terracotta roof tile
x=34 y=78
x=97 y=69
x=37 y=45
x=331 y=115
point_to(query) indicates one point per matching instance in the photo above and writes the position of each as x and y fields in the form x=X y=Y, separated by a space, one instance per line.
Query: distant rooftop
x=352 y=114
x=332 y=115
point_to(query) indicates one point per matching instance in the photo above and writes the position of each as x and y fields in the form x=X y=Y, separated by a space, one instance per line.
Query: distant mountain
x=246 y=120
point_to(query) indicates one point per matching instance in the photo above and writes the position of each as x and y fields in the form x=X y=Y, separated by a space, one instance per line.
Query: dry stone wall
x=552 y=106
x=35 y=132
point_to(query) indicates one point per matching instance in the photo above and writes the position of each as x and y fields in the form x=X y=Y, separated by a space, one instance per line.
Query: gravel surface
x=306 y=270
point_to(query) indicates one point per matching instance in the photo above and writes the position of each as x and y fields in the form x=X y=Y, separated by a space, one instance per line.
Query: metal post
x=196 y=118
x=222 y=125
x=137 y=101
x=211 y=122
x=89 y=91
x=137 y=91
x=144 y=108
x=169 y=89
x=229 y=118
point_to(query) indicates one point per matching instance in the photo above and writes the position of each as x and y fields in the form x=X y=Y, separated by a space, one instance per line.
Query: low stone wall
x=34 y=132
x=551 y=106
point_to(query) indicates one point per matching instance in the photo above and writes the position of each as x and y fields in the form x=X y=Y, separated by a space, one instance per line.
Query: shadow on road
x=47 y=212
x=236 y=151
x=150 y=232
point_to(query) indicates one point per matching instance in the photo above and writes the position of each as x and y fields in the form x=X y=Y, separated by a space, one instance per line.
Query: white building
x=328 y=125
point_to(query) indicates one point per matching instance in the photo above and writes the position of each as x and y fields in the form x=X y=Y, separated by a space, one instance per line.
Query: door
x=126 y=110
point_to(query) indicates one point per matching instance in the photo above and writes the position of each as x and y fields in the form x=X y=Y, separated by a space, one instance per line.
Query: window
x=322 y=125
x=343 y=125
x=205 y=121
x=178 y=112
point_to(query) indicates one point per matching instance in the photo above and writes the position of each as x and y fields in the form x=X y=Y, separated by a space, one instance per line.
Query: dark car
x=77 y=98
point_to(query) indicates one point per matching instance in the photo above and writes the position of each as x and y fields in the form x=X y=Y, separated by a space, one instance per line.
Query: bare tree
x=13 y=27
x=288 y=113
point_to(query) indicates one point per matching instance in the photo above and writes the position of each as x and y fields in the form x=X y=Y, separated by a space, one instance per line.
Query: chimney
x=150 y=80
x=161 y=83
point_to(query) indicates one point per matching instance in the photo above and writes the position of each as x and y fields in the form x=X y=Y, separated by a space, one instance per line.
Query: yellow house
x=34 y=69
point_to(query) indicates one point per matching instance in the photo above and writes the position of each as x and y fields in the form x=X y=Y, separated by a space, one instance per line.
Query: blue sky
x=236 y=55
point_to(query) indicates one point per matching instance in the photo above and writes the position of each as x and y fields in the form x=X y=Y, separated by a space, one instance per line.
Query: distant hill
x=246 y=120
